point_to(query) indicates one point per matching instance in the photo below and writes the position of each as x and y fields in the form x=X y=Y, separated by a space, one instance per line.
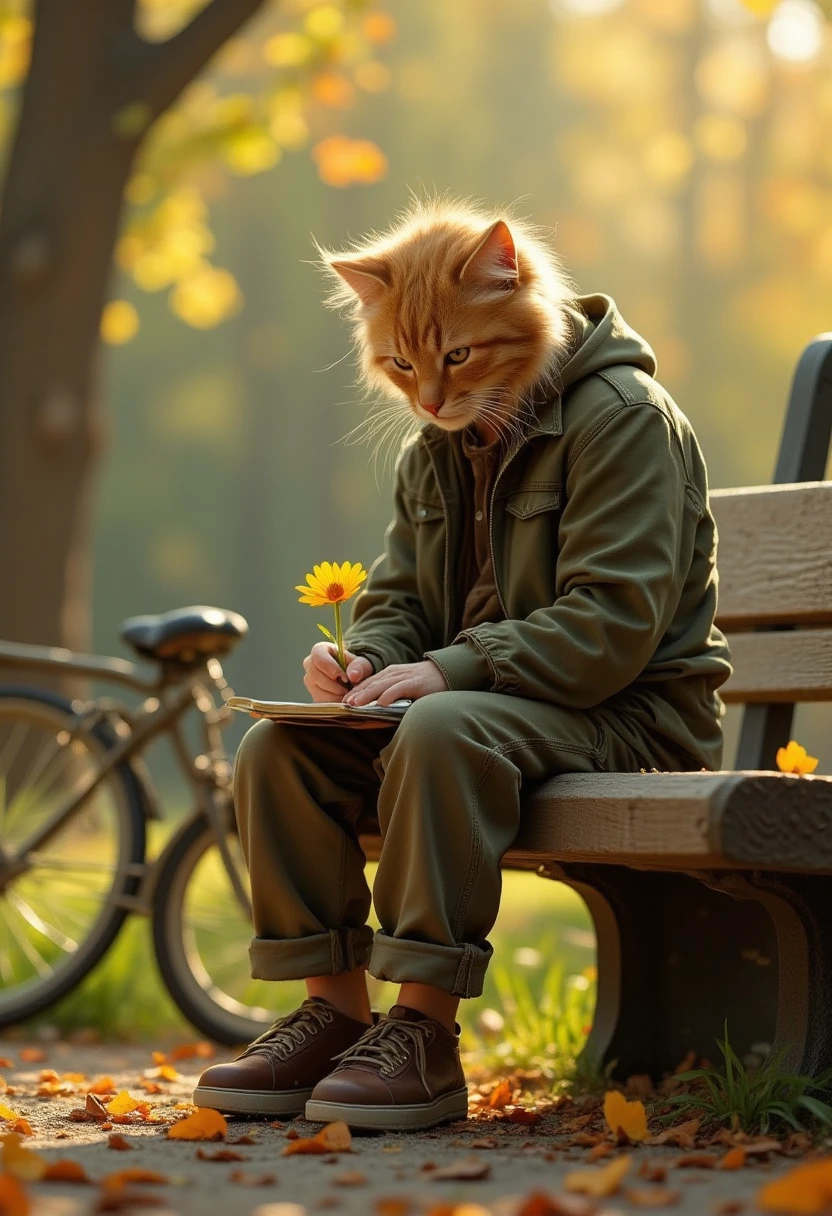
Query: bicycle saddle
x=185 y=635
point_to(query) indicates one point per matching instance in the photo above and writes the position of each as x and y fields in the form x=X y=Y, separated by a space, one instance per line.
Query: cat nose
x=432 y=408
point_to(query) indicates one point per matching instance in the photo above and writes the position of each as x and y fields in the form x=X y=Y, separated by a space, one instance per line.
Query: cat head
x=456 y=311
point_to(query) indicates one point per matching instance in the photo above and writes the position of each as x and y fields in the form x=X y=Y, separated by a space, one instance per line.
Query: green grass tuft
x=754 y=1100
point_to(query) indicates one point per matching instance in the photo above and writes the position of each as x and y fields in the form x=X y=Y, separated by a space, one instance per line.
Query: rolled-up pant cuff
x=298 y=958
x=459 y=970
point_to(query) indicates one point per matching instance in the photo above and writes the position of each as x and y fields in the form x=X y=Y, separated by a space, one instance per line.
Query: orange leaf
x=32 y=1055
x=13 y=1200
x=734 y=1159
x=122 y=1104
x=7 y=1113
x=164 y=1072
x=21 y=1162
x=795 y=759
x=23 y=1127
x=188 y=1051
x=49 y=1074
x=682 y=1135
x=629 y=1117
x=123 y=1177
x=5 y=1062
x=599 y=1182
x=74 y=1078
x=500 y=1096
x=221 y=1154
x=696 y=1161
x=332 y=1138
x=118 y=1142
x=159 y=1058
x=651 y=1196
x=65 y=1171
x=807 y=1188
x=102 y=1085
x=244 y=1179
x=204 y=1124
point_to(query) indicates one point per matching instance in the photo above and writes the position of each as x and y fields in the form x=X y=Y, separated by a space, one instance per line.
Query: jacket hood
x=604 y=339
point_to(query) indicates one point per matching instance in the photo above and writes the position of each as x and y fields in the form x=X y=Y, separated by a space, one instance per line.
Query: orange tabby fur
x=447 y=278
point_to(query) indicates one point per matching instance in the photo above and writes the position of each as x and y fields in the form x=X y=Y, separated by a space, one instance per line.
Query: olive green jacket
x=603 y=546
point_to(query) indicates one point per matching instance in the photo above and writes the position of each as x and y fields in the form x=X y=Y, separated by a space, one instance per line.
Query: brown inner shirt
x=481 y=603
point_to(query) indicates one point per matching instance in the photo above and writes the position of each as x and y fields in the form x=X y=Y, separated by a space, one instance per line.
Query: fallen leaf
x=523 y=1115
x=485 y=1142
x=762 y=1145
x=22 y=1127
x=600 y=1150
x=244 y=1179
x=32 y=1055
x=136 y=1174
x=7 y=1113
x=500 y=1096
x=65 y=1171
x=102 y=1085
x=651 y=1196
x=164 y=1072
x=652 y=1171
x=5 y=1062
x=13 y=1198
x=629 y=1117
x=122 y=1104
x=728 y=1207
x=95 y=1107
x=350 y=1178
x=205 y=1124
x=21 y=1162
x=393 y=1207
x=462 y=1171
x=734 y=1159
x=49 y=1074
x=150 y=1087
x=74 y=1078
x=124 y=1199
x=242 y=1140
x=188 y=1051
x=696 y=1161
x=605 y=1180
x=539 y=1204
x=221 y=1154
x=682 y=1135
x=587 y=1139
x=118 y=1142
x=332 y=1138
x=806 y=1188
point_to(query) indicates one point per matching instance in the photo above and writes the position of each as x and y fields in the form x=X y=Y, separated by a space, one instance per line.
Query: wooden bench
x=711 y=893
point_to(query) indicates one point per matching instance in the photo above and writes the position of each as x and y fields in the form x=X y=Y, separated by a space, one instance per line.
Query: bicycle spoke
x=5 y=955
x=34 y=956
x=6 y=761
x=72 y=870
x=37 y=922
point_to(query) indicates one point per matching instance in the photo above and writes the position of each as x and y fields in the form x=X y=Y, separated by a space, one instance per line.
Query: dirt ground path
x=383 y=1175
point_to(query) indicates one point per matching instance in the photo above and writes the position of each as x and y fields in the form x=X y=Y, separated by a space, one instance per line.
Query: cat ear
x=494 y=259
x=368 y=278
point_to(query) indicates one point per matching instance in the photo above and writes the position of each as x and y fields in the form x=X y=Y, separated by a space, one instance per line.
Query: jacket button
x=422 y=512
x=478 y=517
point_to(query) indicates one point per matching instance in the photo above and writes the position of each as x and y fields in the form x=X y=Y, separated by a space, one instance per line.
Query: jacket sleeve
x=388 y=622
x=624 y=554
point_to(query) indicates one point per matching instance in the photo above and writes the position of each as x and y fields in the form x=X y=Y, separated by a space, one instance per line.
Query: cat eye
x=402 y=363
x=459 y=355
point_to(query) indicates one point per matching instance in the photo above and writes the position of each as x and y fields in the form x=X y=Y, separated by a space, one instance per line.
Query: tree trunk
x=60 y=213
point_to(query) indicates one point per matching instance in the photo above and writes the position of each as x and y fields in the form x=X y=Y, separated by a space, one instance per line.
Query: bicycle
x=75 y=800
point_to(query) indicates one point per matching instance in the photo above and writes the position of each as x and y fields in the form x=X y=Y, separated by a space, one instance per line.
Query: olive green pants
x=444 y=787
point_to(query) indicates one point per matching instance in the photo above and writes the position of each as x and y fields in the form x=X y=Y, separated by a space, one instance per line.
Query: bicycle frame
x=168 y=697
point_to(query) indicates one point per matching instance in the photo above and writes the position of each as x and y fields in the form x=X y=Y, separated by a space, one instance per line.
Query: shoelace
x=290 y=1031
x=388 y=1044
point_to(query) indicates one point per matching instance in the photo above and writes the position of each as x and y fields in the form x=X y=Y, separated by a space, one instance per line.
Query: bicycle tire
x=36 y=996
x=217 y=1015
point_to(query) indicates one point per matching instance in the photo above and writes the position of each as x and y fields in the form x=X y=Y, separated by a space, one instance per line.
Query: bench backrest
x=775 y=571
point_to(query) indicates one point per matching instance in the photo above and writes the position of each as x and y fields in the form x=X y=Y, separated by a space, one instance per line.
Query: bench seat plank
x=775 y=544
x=788 y=666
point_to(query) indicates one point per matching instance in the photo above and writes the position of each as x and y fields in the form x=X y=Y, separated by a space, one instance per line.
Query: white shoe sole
x=392 y=1118
x=252 y=1101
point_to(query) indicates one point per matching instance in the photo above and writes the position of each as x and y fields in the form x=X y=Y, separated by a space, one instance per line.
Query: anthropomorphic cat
x=545 y=598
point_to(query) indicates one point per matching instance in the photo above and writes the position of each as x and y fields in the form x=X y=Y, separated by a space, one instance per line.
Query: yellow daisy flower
x=330 y=583
x=794 y=759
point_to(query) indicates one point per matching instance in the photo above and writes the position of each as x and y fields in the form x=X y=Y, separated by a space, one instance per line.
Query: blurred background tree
x=86 y=108
x=679 y=155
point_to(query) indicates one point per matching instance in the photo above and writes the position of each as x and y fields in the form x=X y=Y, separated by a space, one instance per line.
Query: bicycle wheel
x=60 y=915
x=201 y=938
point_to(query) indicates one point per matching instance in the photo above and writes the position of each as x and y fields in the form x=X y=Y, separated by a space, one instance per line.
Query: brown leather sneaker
x=276 y=1073
x=403 y=1074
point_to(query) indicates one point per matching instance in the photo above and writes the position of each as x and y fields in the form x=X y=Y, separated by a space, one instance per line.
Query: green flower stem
x=339 y=637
